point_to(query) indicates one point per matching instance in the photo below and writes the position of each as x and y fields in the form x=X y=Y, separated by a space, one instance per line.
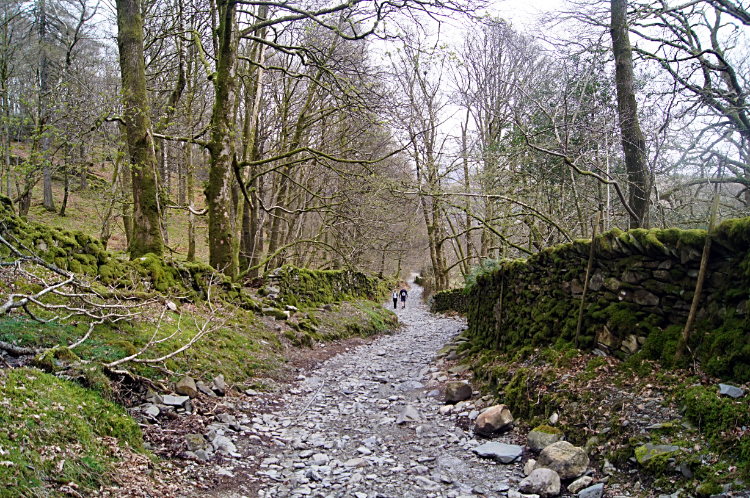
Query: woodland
x=370 y=135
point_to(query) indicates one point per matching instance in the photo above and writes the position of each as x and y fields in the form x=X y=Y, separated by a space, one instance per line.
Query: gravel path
x=338 y=434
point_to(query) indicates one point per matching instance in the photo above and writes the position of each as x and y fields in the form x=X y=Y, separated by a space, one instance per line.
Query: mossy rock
x=52 y=359
x=649 y=451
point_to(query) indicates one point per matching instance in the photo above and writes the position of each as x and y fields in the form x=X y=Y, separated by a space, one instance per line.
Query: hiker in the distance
x=403 y=295
x=395 y=298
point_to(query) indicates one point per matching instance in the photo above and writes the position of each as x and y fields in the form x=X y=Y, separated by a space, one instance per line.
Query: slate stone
x=219 y=387
x=223 y=443
x=175 y=400
x=503 y=453
x=731 y=391
x=408 y=414
x=595 y=491
x=202 y=387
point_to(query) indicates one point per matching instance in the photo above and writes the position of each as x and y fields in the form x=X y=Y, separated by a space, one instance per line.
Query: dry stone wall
x=309 y=287
x=449 y=300
x=639 y=296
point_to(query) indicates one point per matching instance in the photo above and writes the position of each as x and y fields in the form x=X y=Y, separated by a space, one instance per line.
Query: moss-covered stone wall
x=300 y=286
x=449 y=300
x=82 y=254
x=639 y=296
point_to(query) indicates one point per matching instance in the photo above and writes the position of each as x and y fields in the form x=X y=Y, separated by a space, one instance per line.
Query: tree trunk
x=49 y=201
x=222 y=146
x=66 y=187
x=633 y=142
x=146 y=236
x=189 y=192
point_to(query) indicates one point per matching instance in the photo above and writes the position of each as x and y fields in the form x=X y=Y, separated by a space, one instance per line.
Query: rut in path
x=339 y=432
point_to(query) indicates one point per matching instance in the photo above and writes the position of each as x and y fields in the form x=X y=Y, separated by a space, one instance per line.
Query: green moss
x=52 y=358
x=693 y=238
x=41 y=412
x=547 y=429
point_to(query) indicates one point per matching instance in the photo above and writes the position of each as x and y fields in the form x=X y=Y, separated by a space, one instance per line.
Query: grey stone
x=646 y=452
x=528 y=467
x=408 y=414
x=195 y=442
x=175 y=400
x=568 y=461
x=503 y=453
x=202 y=387
x=187 y=387
x=579 y=484
x=409 y=385
x=731 y=391
x=223 y=443
x=537 y=439
x=685 y=471
x=356 y=462
x=645 y=298
x=153 y=411
x=219 y=387
x=493 y=420
x=595 y=491
x=457 y=391
x=202 y=455
x=543 y=482
x=630 y=344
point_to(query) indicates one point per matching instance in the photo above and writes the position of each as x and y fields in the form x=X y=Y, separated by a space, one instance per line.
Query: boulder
x=187 y=387
x=503 y=453
x=543 y=436
x=542 y=482
x=457 y=391
x=570 y=462
x=493 y=420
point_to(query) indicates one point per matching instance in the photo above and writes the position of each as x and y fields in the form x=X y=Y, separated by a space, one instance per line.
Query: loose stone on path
x=374 y=428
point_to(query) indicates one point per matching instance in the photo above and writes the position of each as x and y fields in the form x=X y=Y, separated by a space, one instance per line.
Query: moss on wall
x=639 y=297
x=449 y=300
x=303 y=287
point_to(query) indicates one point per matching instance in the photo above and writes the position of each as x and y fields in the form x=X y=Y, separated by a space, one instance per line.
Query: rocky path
x=365 y=425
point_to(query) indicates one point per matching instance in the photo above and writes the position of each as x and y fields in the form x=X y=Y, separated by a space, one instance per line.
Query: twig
x=312 y=399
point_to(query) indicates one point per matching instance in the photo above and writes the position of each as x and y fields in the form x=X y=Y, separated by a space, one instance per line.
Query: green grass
x=52 y=431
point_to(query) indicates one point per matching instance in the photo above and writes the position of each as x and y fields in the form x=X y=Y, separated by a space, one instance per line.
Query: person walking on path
x=403 y=295
x=395 y=298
